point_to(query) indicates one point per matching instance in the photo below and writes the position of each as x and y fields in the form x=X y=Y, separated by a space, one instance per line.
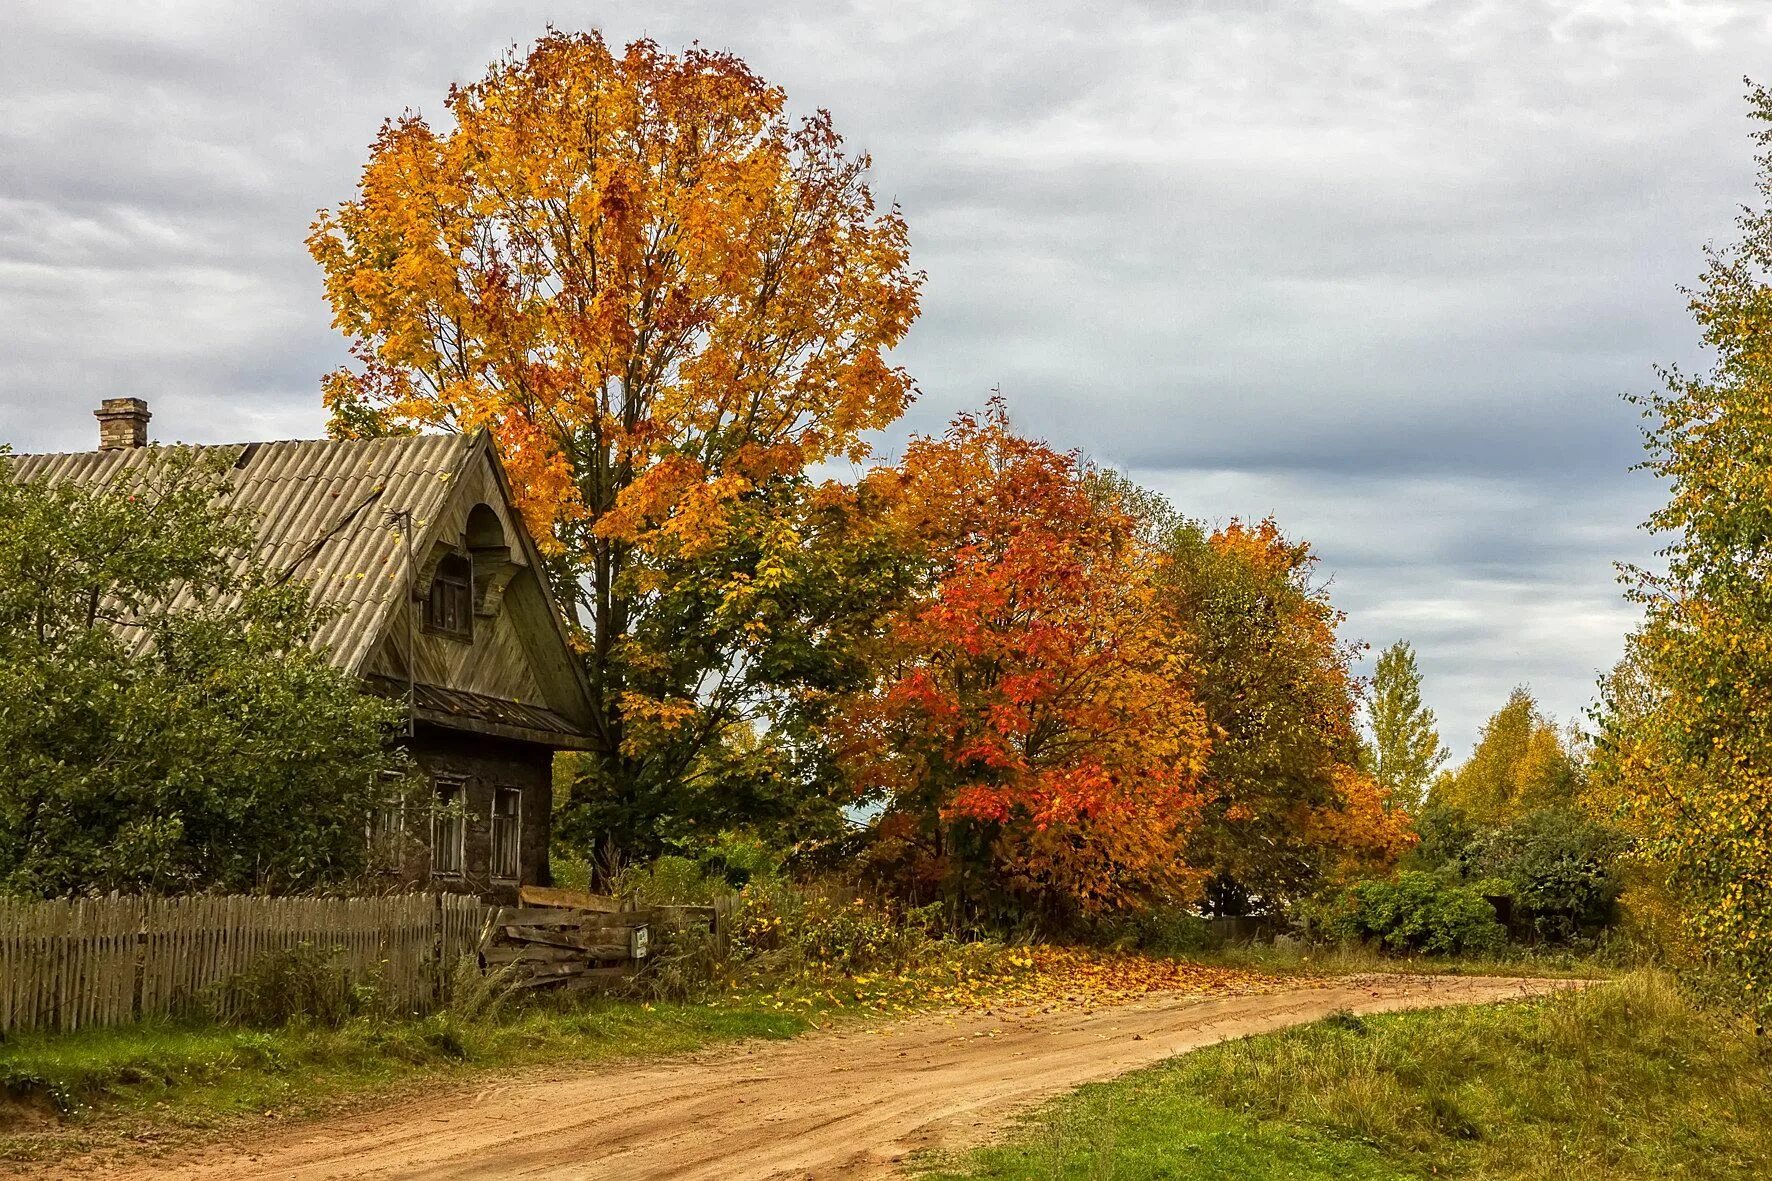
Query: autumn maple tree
x=1286 y=804
x=666 y=299
x=1031 y=732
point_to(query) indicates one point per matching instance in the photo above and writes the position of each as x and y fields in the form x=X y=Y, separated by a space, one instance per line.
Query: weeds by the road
x=799 y=947
x=972 y=976
x=1289 y=957
x=1629 y=1079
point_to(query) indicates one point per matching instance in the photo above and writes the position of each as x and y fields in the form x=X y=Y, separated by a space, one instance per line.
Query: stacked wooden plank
x=571 y=939
x=544 y=947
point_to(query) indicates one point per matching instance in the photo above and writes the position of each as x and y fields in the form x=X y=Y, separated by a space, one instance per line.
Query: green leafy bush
x=670 y=881
x=1446 y=836
x=1417 y=912
x=224 y=753
x=740 y=858
x=732 y=860
x=1561 y=871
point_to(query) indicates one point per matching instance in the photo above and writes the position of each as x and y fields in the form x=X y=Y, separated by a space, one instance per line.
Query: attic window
x=450 y=606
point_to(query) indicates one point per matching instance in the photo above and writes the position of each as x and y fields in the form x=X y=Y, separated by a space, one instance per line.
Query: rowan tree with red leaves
x=1030 y=730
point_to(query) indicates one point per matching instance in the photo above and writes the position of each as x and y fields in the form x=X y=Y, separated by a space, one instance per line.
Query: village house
x=439 y=601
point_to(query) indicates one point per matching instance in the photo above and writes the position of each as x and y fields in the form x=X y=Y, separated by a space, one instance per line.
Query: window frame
x=385 y=832
x=497 y=821
x=456 y=786
x=452 y=584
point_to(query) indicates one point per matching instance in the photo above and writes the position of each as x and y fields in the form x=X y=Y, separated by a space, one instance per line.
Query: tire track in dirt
x=845 y=1103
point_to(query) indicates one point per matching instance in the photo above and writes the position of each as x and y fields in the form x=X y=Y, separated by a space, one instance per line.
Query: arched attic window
x=490 y=552
x=485 y=531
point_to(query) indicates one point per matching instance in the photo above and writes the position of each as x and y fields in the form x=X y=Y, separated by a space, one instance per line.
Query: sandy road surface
x=846 y=1103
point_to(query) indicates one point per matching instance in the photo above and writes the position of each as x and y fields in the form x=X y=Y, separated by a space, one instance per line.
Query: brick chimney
x=122 y=424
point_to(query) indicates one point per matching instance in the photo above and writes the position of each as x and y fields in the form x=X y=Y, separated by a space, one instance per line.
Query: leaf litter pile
x=1037 y=978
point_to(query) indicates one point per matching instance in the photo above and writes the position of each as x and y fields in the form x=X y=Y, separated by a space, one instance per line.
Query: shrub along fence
x=68 y=965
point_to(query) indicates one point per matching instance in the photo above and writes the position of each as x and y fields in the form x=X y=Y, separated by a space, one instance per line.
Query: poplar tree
x=1406 y=748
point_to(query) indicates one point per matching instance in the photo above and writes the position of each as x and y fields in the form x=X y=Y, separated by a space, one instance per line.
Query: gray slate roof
x=321 y=508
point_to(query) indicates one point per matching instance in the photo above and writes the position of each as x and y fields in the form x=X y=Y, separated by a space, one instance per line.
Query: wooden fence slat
x=106 y=961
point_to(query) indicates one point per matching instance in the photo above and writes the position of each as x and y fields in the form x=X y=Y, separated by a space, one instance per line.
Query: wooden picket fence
x=68 y=965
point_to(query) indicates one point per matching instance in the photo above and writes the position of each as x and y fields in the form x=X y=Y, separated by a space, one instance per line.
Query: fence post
x=439 y=949
x=725 y=905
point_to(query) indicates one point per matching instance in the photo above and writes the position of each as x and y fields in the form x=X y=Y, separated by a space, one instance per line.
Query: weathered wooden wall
x=107 y=961
x=514 y=652
x=484 y=765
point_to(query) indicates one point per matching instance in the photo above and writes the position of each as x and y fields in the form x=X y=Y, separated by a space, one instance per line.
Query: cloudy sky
x=1379 y=267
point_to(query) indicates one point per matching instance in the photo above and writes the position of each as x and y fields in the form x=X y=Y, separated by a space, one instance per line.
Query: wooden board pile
x=567 y=939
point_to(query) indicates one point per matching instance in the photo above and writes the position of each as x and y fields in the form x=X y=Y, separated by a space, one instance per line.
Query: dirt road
x=848 y=1103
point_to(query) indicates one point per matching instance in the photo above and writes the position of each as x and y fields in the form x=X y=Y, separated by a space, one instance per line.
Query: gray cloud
x=1380 y=267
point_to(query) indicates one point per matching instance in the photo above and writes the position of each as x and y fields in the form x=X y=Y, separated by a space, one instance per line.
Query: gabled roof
x=324 y=513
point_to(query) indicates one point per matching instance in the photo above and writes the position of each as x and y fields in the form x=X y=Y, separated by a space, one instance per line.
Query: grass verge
x=1628 y=1079
x=62 y=1094
x=1288 y=957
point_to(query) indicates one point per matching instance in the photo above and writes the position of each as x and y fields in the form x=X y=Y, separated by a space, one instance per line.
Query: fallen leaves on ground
x=985 y=976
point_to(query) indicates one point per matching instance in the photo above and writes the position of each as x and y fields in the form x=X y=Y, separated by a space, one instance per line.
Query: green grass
x=1292 y=958
x=1623 y=1080
x=1143 y=1128
x=160 y=1077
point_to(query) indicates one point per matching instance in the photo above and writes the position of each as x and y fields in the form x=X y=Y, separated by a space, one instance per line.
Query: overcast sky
x=1379 y=267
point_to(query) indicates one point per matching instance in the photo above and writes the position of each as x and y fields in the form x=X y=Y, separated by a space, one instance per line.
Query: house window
x=387 y=824
x=449 y=828
x=450 y=607
x=507 y=833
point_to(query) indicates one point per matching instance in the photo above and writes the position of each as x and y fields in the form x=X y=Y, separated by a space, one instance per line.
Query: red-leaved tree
x=1031 y=731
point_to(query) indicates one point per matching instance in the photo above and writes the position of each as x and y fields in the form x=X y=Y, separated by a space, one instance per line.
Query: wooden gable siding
x=494 y=664
x=552 y=664
x=514 y=653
